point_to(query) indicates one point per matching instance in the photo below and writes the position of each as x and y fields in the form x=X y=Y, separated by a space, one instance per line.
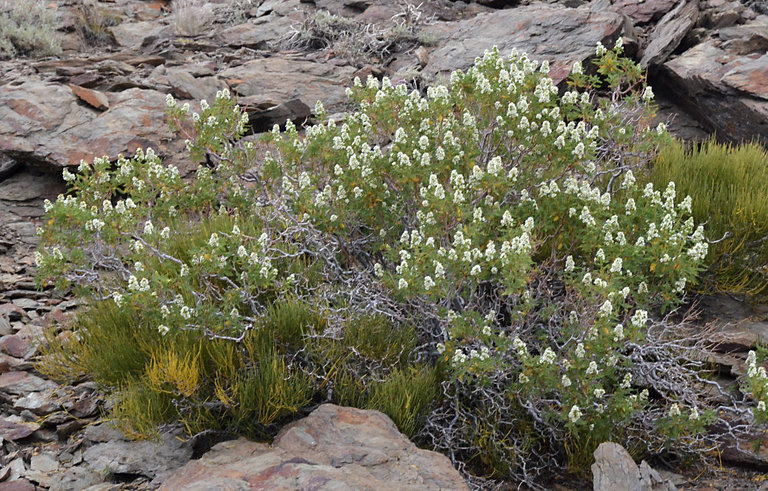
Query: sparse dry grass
x=192 y=17
x=358 y=42
x=27 y=28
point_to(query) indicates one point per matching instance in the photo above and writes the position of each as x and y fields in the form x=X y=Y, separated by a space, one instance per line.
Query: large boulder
x=724 y=82
x=559 y=35
x=52 y=126
x=333 y=448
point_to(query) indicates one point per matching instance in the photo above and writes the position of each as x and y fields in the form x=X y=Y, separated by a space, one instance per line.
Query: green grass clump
x=729 y=187
x=281 y=367
x=405 y=396
x=27 y=28
x=93 y=25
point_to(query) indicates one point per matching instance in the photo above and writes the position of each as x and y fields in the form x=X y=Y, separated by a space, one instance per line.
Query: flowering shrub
x=493 y=229
x=757 y=385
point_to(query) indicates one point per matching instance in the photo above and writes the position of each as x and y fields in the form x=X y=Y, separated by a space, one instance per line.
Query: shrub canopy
x=486 y=241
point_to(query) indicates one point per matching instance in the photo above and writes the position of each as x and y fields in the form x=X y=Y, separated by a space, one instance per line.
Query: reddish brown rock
x=92 y=97
x=44 y=124
x=13 y=430
x=333 y=448
x=17 y=485
x=16 y=346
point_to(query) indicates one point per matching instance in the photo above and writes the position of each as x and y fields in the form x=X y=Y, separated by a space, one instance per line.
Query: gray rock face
x=147 y=458
x=279 y=79
x=332 y=448
x=669 y=32
x=261 y=33
x=614 y=469
x=725 y=90
x=561 y=36
x=643 y=12
x=132 y=34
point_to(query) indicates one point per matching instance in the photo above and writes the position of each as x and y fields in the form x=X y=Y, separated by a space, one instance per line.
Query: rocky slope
x=707 y=60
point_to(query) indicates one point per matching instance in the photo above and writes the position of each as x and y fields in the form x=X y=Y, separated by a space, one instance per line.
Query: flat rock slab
x=16 y=430
x=644 y=11
x=279 y=79
x=153 y=459
x=262 y=33
x=333 y=448
x=132 y=34
x=561 y=36
x=186 y=86
x=22 y=383
x=48 y=125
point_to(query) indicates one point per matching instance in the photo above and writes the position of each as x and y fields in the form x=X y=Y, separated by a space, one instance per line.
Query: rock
x=84 y=407
x=75 y=478
x=262 y=33
x=24 y=187
x=186 y=86
x=727 y=91
x=17 y=346
x=64 y=430
x=44 y=124
x=614 y=469
x=16 y=430
x=17 y=485
x=14 y=469
x=104 y=487
x=94 y=98
x=88 y=80
x=14 y=312
x=5 y=326
x=559 y=35
x=26 y=303
x=643 y=12
x=749 y=453
x=36 y=402
x=668 y=33
x=21 y=383
x=42 y=469
x=152 y=459
x=280 y=79
x=333 y=448
x=101 y=433
x=133 y=34
x=44 y=462
x=9 y=363
x=749 y=38
x=734 y=340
